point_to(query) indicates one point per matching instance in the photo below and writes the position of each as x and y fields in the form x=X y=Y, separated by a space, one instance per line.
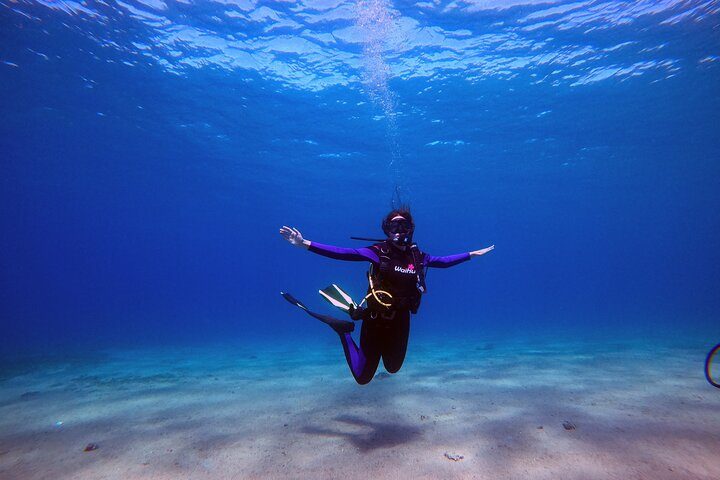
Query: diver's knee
x=393 y=366
x=363 y=380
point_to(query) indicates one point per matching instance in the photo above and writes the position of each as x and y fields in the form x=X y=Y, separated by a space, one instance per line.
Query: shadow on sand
x=366 y=435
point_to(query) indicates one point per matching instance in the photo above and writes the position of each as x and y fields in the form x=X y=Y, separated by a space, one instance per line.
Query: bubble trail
x=377 y=22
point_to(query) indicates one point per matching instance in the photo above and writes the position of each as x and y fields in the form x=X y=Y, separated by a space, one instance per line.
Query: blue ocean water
x=152 y=149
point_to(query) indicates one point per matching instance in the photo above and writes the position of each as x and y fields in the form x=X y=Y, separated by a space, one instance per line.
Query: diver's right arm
x=294 y=237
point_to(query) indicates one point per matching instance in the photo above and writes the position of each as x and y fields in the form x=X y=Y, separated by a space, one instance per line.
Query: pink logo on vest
x=410 y=269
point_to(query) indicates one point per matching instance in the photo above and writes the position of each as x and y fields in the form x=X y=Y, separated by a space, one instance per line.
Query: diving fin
x=338 y=298
x=340 y=326
x=293 y=300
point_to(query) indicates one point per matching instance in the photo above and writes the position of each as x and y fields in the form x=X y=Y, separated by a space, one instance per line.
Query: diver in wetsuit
x=396 y=284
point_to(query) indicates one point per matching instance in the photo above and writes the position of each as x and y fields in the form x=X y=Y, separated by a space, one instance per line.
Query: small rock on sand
x=455 y=457
x=568 y=425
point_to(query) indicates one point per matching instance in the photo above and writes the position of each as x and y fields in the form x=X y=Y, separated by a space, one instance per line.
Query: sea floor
x=504 y=410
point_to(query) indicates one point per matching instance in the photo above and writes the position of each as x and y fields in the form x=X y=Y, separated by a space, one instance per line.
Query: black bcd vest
x=401 y=273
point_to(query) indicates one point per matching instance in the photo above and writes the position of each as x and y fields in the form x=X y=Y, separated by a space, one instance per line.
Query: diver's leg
x=363 y=361
x=395 y=342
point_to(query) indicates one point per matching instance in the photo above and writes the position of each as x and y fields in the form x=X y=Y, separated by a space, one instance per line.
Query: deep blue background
x=146 y=208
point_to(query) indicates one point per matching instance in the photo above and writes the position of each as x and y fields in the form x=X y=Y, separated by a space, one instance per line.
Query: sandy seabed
x=639 y=411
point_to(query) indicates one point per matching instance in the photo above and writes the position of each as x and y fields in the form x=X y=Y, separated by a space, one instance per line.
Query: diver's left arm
x=451 y=260
x=482 y=251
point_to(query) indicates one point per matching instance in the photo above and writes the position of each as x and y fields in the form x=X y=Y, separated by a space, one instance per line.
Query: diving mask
x=399 y=226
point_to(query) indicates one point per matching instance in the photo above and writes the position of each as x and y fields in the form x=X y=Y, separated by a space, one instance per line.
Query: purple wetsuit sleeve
x=447 y=261
x=339 y=253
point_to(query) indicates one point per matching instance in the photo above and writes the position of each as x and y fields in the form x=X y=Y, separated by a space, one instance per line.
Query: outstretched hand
x=293 y=236
x=482 y=251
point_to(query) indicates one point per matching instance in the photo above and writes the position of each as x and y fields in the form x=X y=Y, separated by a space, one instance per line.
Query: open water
x=151 y=149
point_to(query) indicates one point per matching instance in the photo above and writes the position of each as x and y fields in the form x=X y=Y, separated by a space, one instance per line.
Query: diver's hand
x=482 y=251
x=294 y=237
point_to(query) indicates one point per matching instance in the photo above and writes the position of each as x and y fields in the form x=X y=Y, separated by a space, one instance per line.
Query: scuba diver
x=396 y=283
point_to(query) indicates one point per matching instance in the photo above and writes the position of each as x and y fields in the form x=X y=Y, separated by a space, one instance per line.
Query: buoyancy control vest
x=401 y=273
